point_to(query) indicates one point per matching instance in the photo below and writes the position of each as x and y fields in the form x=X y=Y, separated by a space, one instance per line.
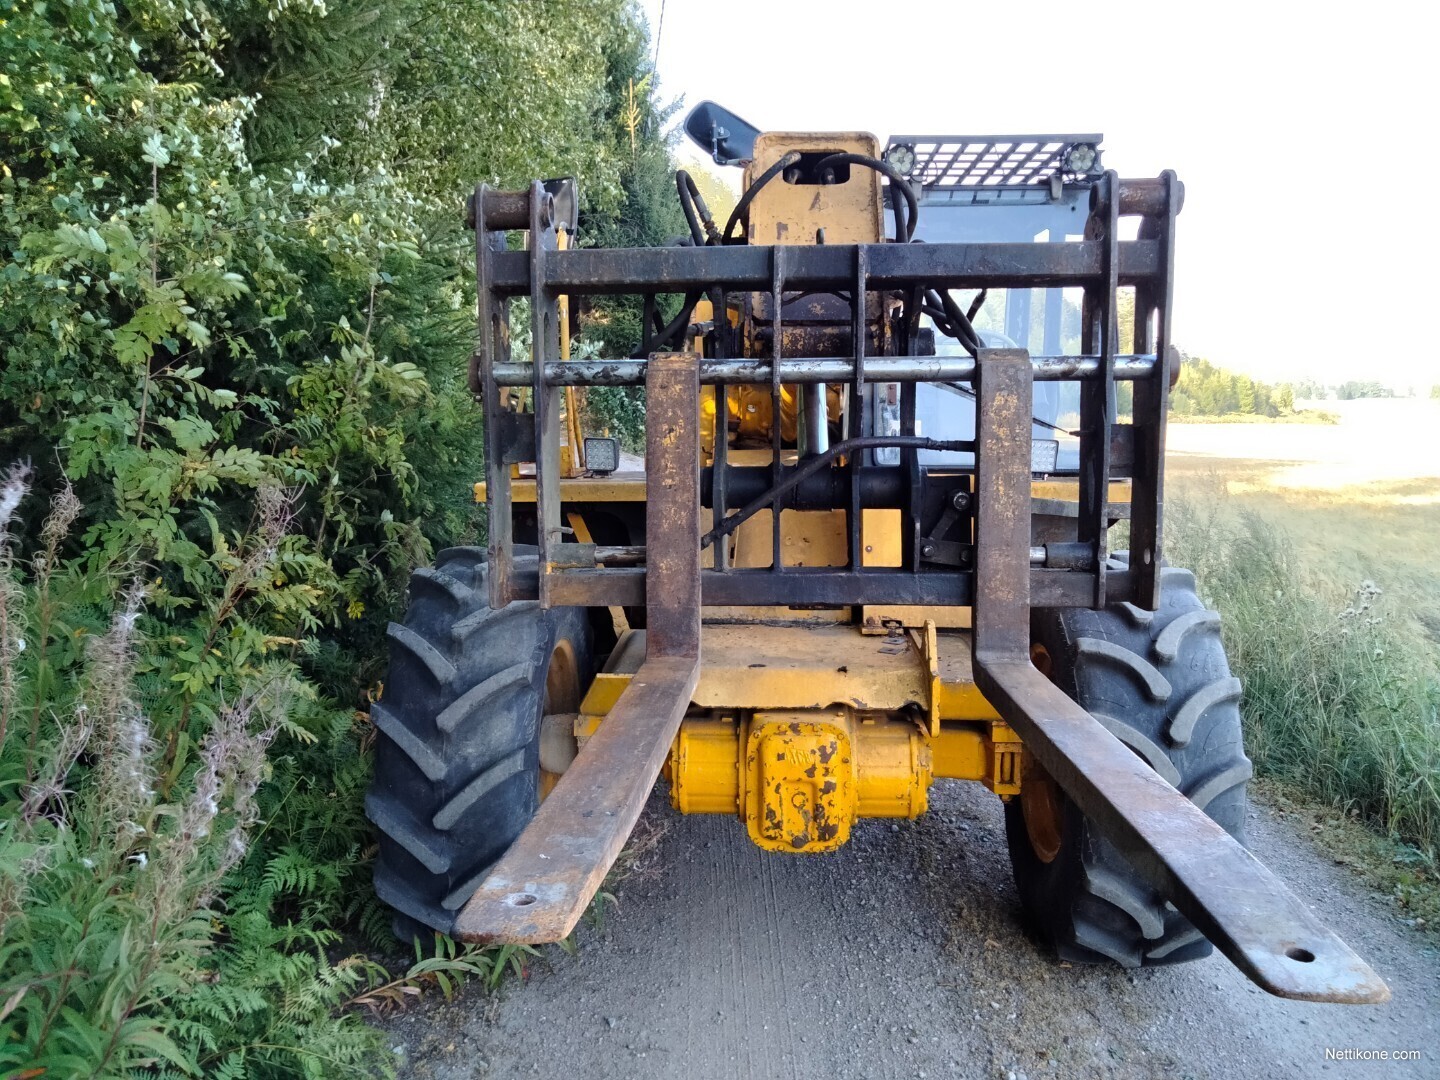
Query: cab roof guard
x=991 y=161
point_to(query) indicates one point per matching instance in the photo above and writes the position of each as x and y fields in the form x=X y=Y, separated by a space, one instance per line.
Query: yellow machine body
x=801 y=730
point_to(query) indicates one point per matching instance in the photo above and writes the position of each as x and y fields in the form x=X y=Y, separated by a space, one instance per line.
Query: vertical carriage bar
x=777 y=257
x=1004 y=400
x=544 y=342
x=720 y=458
x=1151 y=404
x=491 y=312
x=720 y=445
x=672 y=508
x=859 y=322
x=909 y=456
x=1097 y=397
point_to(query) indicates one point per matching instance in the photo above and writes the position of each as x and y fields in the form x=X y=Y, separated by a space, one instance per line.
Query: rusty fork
x=543 y=884
x=1265 y=930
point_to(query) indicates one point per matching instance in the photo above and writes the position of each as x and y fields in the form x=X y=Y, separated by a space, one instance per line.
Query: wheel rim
x=1040 y=803
x=558 y=745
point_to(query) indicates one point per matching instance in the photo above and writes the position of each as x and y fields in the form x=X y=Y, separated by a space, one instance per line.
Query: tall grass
x=1342 y=697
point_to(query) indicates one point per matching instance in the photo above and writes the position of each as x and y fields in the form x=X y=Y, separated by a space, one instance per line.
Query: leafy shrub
x=128 y=802
x=235 y=316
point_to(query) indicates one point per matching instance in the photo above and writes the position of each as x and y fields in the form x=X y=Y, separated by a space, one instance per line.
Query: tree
x=1205 y=389
x=1245 y=394
x=1356 y=389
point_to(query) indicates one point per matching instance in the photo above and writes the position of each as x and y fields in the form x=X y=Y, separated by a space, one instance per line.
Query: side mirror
x=721 y=134
x=567 y=201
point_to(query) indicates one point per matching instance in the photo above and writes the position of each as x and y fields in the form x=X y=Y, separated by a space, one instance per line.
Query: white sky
x=1305 y=135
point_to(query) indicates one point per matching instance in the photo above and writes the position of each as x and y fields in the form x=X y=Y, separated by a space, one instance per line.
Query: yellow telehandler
x=869 y=548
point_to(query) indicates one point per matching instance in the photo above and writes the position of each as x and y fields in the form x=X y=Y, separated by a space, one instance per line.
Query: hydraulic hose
x=697 y=215
x=821 y=460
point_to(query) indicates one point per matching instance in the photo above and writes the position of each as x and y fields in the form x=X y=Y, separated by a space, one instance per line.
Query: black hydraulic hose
x=697 y=215
x=687 y=207
x=959 y=320
x=703 y=233
x=666 y=335
x=897 y=183
x=950 y=320
x=812 y=465
x=896 y=206
x=754 y=189
x=977 y=304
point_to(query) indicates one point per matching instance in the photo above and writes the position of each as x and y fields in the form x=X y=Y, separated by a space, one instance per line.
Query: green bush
x=1339 y=700
x=235 y=316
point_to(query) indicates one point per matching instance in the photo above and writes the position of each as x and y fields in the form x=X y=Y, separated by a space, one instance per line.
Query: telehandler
x=869 y=548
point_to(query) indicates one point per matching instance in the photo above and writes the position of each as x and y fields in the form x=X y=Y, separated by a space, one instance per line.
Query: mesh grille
x=988 y=161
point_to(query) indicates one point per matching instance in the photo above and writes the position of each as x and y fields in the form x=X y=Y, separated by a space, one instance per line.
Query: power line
x=659 y=29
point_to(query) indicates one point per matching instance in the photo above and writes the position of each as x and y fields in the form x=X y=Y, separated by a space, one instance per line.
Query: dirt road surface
x=902 y=955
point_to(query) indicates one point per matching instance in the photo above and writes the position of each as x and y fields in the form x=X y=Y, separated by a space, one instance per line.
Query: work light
x=602 y=454
x=901 y=158
x=1081 y=159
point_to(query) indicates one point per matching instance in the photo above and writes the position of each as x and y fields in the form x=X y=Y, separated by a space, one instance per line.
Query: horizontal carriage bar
x=814 y=369
x=592 y=271
x=801 y=586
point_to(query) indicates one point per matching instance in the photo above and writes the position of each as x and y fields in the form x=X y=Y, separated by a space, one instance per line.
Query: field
x=1317 y=543
x=1360 y=499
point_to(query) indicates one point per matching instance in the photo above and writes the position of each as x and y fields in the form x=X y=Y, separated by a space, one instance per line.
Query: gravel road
x=902 y=956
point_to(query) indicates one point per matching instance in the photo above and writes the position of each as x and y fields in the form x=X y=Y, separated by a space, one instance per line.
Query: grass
x=1327 y=604
x=1383 y=530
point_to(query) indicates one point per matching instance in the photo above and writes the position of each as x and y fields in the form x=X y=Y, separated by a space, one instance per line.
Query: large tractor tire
x=1161 y=684
x=458 y=761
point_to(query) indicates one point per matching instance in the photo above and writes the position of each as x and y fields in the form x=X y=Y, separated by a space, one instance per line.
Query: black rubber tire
x=1161 y=683
x=457 y=757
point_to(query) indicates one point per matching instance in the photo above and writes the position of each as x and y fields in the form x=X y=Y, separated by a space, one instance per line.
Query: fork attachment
x=1265 y=930
x=541 y=887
